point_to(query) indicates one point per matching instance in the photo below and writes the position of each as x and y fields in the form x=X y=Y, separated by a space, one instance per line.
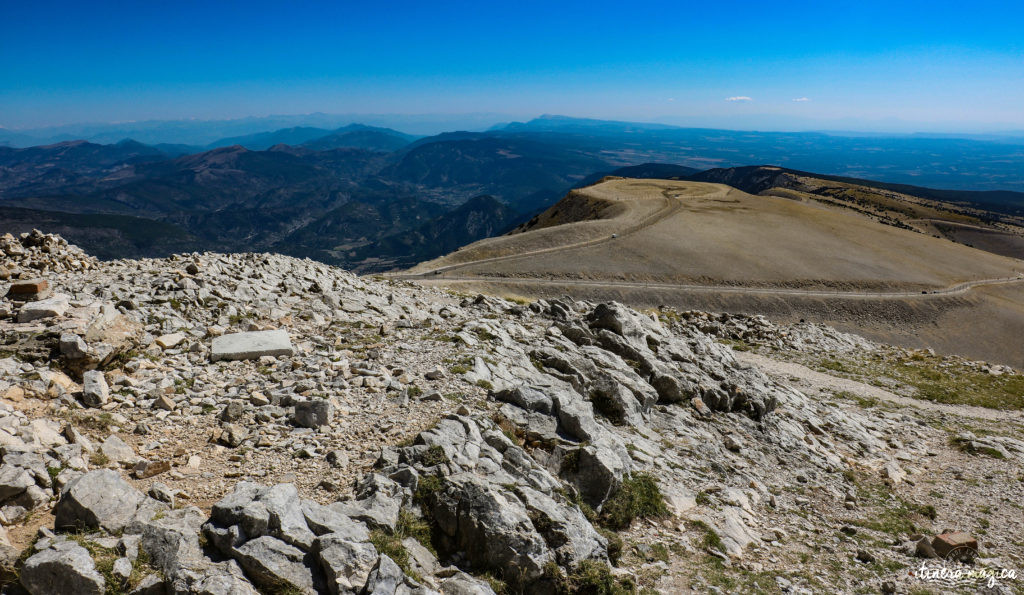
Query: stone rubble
x=255 y=422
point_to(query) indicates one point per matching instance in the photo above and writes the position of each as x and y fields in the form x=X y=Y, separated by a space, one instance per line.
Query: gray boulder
x=274 y=564
x=314 y=413
x=98 y=500
x=172 y=541
x=461 y=583
x=527 y=397
x=210 y=578
x=95 y=391
x=73 y=347
x=491 y=527
x=48 y=308
x=346 y=564
x=595 y=470
x=385 y=578
x=14 y=480
x=261 y=510
x=66 y=567
x=118 y=450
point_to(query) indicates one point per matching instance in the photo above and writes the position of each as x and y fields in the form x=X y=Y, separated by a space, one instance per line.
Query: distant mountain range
x=371 y=198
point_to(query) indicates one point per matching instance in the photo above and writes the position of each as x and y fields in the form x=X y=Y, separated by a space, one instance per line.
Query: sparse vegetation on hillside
x=933 y=377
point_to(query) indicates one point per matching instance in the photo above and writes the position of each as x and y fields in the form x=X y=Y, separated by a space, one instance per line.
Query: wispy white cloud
x=801 y=99
x=739 y=98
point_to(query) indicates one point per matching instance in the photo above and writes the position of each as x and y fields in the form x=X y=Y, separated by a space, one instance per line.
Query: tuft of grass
x=104 y=559
x=434 y=456
x=637 y=497
x=53 y=472
x=485 y=384
x=427 y=489
x=592 y=577
x=710 y=539
x=972 y=448
x=99 y=459
x=615 y=544
x=391 y=546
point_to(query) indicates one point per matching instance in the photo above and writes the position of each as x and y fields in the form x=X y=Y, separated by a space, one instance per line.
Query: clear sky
x=871 y=65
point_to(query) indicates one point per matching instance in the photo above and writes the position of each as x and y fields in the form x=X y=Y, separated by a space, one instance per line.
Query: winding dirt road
x=958 y=289
x=672 y=205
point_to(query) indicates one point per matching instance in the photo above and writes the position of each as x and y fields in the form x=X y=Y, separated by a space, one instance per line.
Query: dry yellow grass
x=690 y=232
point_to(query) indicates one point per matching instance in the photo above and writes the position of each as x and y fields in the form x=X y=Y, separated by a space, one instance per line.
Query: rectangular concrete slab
x=251 y=345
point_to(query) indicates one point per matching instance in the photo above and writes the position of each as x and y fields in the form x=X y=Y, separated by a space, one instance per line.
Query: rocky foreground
x=254 y=423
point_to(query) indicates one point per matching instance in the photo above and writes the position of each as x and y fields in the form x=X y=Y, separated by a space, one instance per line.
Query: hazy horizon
x=873 y=67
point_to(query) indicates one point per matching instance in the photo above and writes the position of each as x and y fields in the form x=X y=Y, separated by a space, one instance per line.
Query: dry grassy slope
x=720 y=235
x=1001 y=234
x=586 y=215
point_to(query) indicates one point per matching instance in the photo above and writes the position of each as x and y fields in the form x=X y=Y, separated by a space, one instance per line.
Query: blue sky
x=865 y=65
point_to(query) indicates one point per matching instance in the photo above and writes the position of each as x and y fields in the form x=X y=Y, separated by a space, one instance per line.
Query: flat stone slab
x=48 y=308
x=251 y=345
x=30 y=289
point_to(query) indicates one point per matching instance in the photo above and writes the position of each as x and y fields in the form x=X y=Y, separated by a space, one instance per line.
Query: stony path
x=812 y=381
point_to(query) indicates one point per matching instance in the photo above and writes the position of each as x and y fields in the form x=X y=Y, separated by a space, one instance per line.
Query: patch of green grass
x=862 y=401
x=104 y=559
x=637 y=497
x=703 y=498
x=935 y=378
x=484 y=334
x=434 y=456
x=414 y=391
x=709 y=539
x=427 y=489
x=53 y=472
x=589 y=578
x=615 y=544
x=890 y=513
x=101 y=422
x=970 y=447
x=409 y=525
x=391 y=546
x=485 y=384
x=660 y=552
x=737 y=344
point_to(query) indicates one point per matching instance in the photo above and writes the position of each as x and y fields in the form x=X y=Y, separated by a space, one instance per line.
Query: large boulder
x=491 y=527
x=172 y=541
x=98 y=500
x=65 y=567
x=260 y=510
x=274 y=564
x=346 y=564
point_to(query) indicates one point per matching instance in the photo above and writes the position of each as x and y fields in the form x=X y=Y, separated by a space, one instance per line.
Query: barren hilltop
x=865 y=260
x=255 y=423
